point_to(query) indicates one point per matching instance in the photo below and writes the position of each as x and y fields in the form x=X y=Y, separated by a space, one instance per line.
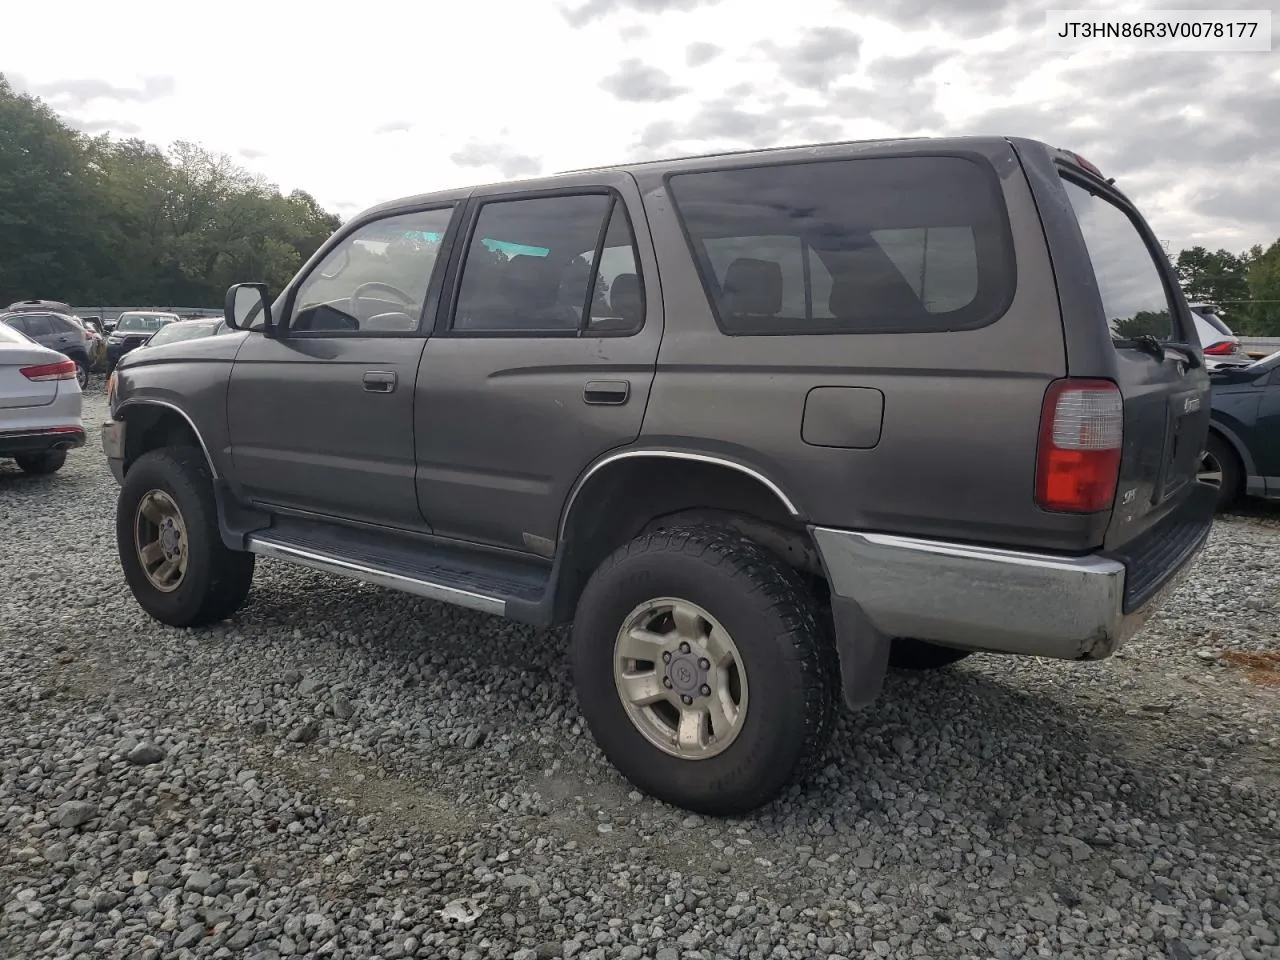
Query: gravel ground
x=347 y=772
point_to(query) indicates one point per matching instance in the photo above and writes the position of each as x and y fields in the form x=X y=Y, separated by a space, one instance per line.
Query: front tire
x=702 y=669
x=82 y=373
x=174 y=560
x=41 y=464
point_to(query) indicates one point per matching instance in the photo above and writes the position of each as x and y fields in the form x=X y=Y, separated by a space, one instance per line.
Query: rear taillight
x=1081 y=434
x=62 y=370
x=1223 y=348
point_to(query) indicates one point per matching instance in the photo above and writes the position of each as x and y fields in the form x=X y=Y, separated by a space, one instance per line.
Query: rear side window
x=39 y=326
x=876 y=245
x=1132 y=288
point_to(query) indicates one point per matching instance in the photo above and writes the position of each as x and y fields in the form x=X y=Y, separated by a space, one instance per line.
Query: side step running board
x=428 y=589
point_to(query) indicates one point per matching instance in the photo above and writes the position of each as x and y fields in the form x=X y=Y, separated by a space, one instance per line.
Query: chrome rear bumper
x=989 y=599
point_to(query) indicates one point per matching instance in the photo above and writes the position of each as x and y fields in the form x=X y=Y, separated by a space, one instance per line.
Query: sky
x=362 y=103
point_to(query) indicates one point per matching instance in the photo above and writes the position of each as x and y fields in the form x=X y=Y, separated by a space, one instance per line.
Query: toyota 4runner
x=759 y=424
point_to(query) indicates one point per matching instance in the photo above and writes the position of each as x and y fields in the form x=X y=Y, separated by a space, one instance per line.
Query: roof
x=831 y=150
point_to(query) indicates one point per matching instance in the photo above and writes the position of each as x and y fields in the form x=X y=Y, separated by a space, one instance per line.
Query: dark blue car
x=1242 y=456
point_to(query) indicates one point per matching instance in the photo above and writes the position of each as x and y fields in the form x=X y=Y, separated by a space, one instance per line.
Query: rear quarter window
x=874 y=245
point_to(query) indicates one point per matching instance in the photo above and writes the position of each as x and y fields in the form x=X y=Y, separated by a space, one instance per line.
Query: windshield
x=142 y=322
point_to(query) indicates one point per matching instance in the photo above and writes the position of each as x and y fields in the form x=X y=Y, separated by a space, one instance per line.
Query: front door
x=320 y=416
x=543 y=358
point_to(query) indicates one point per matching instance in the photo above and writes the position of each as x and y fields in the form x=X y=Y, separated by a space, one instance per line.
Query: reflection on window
x=376 y=279
x=533 y=265
x=1133 y=293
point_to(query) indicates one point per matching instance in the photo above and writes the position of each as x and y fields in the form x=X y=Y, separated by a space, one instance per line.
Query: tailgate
x=1157 y=362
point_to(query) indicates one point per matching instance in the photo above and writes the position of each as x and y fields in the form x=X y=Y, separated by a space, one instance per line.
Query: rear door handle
x=612 y=392
x=380 y=381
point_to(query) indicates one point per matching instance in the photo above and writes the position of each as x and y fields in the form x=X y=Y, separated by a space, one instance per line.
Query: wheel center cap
x=686 y=676
x=169 y=539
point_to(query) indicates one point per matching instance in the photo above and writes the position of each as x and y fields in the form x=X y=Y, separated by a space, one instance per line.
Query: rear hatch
x=1155 y=360
x=17 y=389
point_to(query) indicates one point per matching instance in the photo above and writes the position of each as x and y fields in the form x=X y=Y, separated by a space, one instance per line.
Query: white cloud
x=359 y=105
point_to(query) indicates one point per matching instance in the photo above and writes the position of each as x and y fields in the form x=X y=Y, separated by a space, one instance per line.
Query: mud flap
x=863 y=652
x=236 y=521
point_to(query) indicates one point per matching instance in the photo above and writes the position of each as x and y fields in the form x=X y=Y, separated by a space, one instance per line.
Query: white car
x=40 y=403
x=1220 y=346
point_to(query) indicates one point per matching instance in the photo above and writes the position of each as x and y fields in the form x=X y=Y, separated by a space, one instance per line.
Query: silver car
x=40 y=404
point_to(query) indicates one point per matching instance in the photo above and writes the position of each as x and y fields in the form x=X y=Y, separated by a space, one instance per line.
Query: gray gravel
x=346 y=772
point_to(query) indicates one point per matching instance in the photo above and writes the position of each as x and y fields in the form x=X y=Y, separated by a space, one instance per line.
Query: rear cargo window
x=876 y=245
x=1134 y=296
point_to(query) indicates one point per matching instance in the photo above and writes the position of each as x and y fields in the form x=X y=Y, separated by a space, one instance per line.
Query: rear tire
x=752 y=611
x=42 y=463
x=908 y=654
x=209 y=582
x=1221 y=467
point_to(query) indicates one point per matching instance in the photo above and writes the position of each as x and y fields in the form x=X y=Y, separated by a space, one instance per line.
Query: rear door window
x=39 y=326
x=1134 y=296
x=875 y=245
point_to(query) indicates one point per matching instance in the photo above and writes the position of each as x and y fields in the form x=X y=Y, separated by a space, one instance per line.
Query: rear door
x=542 y=361
x=40 y=328
x=1156 y=358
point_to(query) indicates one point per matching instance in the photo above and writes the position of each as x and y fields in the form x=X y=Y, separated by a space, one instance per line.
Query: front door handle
x=380 y=381
x=612 y=392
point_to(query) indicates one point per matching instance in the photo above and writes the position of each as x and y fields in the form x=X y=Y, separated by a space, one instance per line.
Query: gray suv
x=761 y=425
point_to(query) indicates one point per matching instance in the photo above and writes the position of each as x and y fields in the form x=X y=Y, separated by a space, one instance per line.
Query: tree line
x=1245 y=286
x=93 y=220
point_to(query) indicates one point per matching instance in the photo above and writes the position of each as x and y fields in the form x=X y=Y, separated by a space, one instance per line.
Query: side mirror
x=108 y=325
x=245 y=303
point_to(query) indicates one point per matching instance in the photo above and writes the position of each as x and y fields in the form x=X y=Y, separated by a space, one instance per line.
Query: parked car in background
x=187 y=330
x=40 y=403
x=97 y=343
x=1221 y=347
x=57 y=331
x=39 y=306
x=1242 y=454
x=760 y=424
x=134 y=328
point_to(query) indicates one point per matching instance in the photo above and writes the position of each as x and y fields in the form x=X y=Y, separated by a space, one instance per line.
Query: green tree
x=1263 y=278
x=1217 y=277
x=96 y=220
x=45 y=193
